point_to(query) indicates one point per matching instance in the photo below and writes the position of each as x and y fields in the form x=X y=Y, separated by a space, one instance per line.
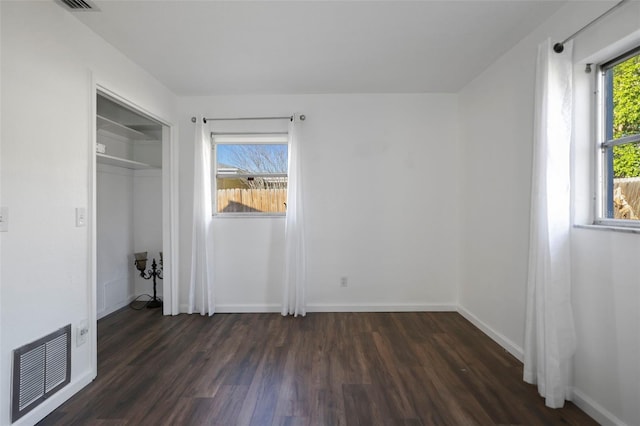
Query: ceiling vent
x=78 y=5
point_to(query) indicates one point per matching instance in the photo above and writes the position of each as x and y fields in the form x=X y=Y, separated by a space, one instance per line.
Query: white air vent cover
x=78 y=5
x=40 y=369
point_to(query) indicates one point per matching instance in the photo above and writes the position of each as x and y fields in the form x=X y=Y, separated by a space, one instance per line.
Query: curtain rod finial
x=558 y=47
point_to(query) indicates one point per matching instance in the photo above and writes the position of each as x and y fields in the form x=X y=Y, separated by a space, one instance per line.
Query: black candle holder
x=154 y=272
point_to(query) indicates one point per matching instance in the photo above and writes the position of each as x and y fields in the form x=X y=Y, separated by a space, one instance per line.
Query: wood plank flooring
x=324 y=369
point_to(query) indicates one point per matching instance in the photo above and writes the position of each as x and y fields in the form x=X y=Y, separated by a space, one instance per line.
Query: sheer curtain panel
x=549 y=330
x=201 y=280
x=295 y=254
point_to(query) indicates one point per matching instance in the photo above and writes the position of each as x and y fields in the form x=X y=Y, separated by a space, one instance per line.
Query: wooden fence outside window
x=237 y=200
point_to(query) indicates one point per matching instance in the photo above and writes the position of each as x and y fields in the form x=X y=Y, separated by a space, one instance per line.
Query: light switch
x=4 y=219
x=81 y=216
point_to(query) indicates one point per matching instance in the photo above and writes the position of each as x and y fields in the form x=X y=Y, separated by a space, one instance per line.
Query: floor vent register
x=40 y=369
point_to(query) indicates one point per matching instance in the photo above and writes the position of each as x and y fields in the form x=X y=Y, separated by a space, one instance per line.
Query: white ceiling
x=233 y=47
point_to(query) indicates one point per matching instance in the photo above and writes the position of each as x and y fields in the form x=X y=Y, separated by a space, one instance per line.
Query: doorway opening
x=133 y=209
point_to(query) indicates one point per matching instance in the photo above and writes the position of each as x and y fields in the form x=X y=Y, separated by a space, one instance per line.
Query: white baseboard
x=335 y=307
x=54 y=401
x=499 y=338
x=103 y=313
x=380 y=307
x=239 y=308
x=595 y=410
x=248 y=308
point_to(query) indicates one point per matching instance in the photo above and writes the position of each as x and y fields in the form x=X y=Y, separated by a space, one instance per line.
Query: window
x=250 y=173
x=619 y=143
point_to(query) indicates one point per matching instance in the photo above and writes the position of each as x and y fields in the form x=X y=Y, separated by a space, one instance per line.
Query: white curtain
x=549 y=332
x=201 y=280
x=295 y=255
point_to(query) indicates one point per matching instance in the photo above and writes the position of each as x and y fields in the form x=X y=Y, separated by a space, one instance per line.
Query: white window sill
x=601 y=227
x=249 y=216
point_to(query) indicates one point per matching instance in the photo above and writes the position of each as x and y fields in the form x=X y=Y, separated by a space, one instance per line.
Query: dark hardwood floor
x=324 y=369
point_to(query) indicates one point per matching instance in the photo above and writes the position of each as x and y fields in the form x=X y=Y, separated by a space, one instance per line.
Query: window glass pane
x=622 y=118
x=251 y=177
x=252 y=158
x=624 y=194
x=251 y=195
x=624 y=79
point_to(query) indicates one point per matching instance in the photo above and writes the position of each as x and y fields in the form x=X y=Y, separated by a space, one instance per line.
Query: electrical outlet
x=81 y=216
x=343 y=281
x=82 y=332
x=4 y=219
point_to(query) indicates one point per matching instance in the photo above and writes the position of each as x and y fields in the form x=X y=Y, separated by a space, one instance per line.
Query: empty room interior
x=320 y=212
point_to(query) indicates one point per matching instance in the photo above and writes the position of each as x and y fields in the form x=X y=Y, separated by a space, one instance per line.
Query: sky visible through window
x=254 y=158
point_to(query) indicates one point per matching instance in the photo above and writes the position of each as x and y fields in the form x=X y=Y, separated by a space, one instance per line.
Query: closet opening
x=131 y=200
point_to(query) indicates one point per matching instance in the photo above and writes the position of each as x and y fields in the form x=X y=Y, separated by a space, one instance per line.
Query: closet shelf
x=121 y=162
x=104 y=123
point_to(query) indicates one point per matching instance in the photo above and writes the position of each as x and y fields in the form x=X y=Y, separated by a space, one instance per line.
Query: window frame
x=604 y=182
x=244 y=138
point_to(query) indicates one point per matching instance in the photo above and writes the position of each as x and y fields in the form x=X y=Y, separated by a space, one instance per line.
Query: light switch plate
x=81 y=216
x=4 y=219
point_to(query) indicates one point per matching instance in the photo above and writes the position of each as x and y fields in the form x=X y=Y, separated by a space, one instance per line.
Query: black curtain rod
x=559 y=47
x=290 y=118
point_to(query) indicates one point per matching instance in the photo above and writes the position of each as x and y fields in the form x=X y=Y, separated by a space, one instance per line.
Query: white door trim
x=169 y=211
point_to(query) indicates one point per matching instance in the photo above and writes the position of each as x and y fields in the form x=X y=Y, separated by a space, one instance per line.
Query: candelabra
x=154 y=272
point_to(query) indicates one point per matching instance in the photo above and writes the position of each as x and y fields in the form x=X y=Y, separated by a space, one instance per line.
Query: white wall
x=496 y=112
x=380 y=175
x=129 y=220
x=147 y=224
x=49 y=61
x=114 y=233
